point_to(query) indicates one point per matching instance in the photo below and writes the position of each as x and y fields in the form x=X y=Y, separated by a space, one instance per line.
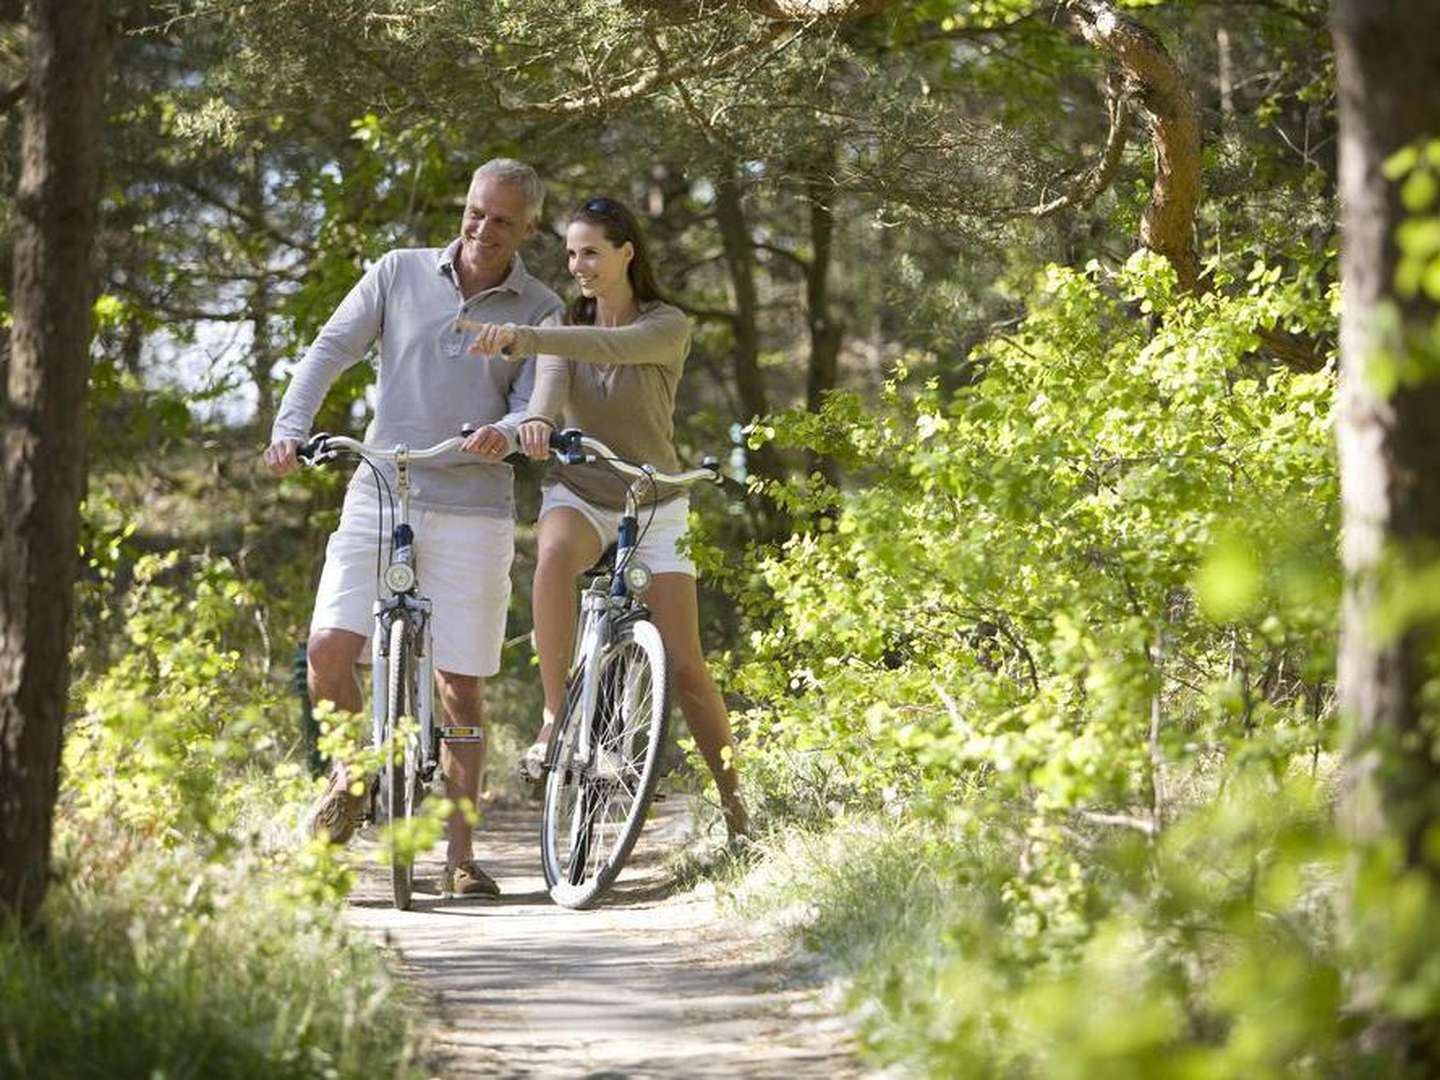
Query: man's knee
x=333 y=653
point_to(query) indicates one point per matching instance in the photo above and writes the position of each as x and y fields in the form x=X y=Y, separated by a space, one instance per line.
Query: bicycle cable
x=382 y=487
x=654 y=506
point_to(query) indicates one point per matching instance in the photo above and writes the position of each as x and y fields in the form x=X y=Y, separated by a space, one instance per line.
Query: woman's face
x=597 y=265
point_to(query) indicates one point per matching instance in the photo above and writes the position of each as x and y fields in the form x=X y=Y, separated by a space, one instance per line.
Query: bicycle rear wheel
x=400 y=786
x=596 y=801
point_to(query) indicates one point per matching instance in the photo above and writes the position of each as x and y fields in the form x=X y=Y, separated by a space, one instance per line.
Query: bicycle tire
x=595 y=809
x=399 y=770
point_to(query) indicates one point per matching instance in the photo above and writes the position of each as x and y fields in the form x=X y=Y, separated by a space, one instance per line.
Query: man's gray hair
x=509 y=171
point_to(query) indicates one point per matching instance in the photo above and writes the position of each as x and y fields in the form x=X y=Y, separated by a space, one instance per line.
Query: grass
x=163 y=965
x=972 y=945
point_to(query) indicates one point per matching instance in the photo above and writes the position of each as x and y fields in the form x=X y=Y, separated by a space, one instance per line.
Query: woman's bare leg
x=567 y=545
x=675 y=610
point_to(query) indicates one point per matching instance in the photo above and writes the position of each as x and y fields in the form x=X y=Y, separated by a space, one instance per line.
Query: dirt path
x=656 y=983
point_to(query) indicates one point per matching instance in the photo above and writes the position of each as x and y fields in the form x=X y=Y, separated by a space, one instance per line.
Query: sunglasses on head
x=602 y=206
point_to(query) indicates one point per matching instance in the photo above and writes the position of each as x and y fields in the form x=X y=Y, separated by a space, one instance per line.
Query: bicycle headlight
x=637 y=576
x=399 y=577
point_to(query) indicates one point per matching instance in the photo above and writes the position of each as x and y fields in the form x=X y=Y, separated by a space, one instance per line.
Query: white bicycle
x=402 y=669
x=603 y=758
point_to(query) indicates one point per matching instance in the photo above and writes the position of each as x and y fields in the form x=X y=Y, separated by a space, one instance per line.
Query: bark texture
x=43 y=427
x=1167 y=225
x=739 y=250
x=1388 y=57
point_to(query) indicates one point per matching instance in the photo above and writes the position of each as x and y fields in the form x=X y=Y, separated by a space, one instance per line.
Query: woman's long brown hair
x=619 y=225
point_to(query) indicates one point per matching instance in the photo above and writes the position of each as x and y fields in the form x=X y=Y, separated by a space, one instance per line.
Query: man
x=462 y=505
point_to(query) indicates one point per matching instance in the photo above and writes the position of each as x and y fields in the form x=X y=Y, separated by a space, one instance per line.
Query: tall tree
x=43 y=427
x=1387 y=57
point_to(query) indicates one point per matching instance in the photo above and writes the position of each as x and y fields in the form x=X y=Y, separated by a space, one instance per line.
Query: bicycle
x=402 y=664
x=602 y=761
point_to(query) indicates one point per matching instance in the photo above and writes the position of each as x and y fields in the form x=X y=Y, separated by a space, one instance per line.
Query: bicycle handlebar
x=323 y=447
x=571 y=447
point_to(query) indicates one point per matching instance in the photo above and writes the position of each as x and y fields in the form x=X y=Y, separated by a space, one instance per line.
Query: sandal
x=532 y=763
x=468 y=879
x=338 y=813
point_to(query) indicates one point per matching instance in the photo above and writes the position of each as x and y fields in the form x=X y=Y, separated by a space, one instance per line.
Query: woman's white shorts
x=659 y=543
x=463 y=561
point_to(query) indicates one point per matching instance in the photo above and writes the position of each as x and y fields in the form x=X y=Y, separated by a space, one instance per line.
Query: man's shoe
x=337 y=813
x=468 y=879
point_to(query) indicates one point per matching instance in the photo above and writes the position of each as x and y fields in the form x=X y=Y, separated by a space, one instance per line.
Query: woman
x=612 y=371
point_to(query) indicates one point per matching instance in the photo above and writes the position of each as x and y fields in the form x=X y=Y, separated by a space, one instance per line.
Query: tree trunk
x=826 y=331
x=43 y=426
x=262 y=347
x=1389 y=443
x=740 y=259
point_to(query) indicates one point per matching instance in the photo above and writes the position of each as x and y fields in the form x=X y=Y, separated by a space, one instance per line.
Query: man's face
x=495 y=223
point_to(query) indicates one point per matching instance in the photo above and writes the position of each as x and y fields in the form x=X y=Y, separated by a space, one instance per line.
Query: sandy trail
x=655 y=983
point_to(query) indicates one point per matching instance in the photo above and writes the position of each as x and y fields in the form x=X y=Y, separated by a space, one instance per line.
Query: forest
x=1074 y=593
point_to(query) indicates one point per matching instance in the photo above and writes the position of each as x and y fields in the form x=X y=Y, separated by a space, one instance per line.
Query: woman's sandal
x=531 y=765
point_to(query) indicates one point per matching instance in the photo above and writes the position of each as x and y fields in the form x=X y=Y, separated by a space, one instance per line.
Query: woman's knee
x=567 y=544
x=689 y=674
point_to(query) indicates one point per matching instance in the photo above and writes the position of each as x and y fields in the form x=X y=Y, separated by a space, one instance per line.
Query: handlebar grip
x=312 y=450
x=567 y=445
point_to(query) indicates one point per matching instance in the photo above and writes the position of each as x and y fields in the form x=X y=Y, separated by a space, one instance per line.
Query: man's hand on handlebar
x=489 y=443
x=280 y=456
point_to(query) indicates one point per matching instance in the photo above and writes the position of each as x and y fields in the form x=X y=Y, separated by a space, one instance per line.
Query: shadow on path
x=653 y=983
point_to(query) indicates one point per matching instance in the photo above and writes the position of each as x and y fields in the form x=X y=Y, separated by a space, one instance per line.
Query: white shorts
x=659 y=543
x=463 y=562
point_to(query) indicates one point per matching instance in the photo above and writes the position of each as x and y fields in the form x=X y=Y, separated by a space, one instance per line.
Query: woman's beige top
x=617 y=384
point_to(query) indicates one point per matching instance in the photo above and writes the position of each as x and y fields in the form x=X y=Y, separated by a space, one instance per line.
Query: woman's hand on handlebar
x=489 y=443
x=534 y=437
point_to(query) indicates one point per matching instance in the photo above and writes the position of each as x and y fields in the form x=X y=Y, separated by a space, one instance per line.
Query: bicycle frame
x=404 y=600
x=605 y=605
x=408 y=604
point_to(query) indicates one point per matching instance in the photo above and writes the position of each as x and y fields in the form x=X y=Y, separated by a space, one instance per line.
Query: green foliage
x=1406 y=347
x=160 y=735
x=1010 y=592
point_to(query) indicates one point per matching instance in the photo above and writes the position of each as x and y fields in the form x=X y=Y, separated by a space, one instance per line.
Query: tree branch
x=12 y=97
x=1167 y=225
x=806 y=10
x=1088 y=189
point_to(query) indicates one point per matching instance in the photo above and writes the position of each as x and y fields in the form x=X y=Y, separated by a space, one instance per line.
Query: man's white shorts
x=463 y=562
x=659 y=542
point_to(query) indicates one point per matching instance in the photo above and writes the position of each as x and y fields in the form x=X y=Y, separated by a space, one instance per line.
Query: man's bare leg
x=463 y=763
x=331 y=656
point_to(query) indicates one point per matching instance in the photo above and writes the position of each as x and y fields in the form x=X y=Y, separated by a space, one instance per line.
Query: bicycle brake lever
x=315 y=451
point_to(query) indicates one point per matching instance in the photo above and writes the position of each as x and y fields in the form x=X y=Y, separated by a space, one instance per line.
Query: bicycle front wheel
x=599 y=787
x=400 y=787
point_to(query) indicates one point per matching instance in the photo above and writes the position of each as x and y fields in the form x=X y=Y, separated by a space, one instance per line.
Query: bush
x=1071 y=632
